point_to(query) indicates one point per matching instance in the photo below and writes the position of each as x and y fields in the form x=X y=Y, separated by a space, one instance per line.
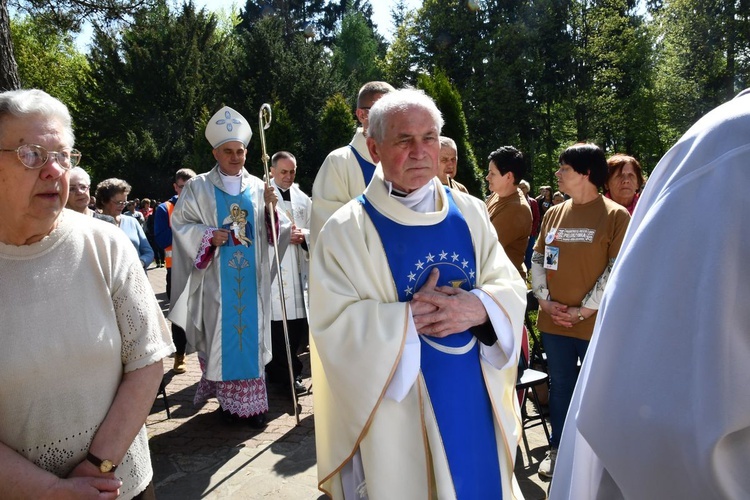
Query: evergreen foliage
x=448 y=100
x=337 y=123
x=540 y=75
x=47 y=58
x=356 y=53
x=288 y=70
x=147 y=90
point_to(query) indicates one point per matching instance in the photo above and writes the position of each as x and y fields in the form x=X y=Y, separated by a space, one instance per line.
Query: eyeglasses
x=34 y=157
x=120 y=203
x=83 y=188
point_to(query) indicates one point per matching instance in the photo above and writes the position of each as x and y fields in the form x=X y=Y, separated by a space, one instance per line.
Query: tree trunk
x=8 y=68
x=731 y=38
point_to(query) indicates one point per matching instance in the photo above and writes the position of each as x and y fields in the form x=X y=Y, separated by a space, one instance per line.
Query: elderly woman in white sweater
x=81 y=340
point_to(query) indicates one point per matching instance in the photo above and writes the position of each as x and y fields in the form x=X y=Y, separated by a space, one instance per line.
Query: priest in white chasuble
x=416 y=316
x=222 y=272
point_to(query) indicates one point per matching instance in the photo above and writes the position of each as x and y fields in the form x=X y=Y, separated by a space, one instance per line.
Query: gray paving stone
x=195 y=454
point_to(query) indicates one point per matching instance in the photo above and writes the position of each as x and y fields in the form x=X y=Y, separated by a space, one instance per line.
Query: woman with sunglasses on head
x=111 y=198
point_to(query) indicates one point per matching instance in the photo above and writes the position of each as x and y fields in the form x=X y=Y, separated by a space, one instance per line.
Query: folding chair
x=538 y=356
x=163 y=392
x=531 y=379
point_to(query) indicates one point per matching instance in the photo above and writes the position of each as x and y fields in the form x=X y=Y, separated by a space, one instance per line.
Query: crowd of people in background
x=81 y=200
x=409 y=291
x=625 y=181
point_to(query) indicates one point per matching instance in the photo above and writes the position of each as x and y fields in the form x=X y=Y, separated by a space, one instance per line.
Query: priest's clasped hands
x=439 y=311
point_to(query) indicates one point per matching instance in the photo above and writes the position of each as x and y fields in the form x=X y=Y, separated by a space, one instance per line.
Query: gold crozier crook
x=264 y=121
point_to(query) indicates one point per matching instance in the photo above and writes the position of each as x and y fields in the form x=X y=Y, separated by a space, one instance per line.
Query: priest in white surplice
x=416 y=320
x=221 y=272
x=662 y=405
x=296 y=205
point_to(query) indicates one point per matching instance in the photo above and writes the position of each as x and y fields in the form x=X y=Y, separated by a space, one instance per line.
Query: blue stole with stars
x=368 y=169
x=239 y=287
x=450 y=366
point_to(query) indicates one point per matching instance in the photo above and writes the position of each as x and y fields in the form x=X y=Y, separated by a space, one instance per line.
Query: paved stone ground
x=197 y=455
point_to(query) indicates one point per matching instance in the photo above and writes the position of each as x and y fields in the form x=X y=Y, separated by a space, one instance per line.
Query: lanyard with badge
x=551 y=253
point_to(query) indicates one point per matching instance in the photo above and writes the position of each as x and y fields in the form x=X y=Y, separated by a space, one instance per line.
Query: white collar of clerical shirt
x=232 y=183
x=421 y=200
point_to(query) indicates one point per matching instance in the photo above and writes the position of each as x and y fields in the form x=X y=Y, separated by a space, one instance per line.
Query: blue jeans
x=563 y=354
x=529 y=252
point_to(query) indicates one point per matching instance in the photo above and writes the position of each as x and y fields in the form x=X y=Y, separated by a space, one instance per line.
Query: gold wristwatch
x=104 y=465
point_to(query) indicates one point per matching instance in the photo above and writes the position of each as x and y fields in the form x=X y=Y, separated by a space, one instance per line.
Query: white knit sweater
x=77 y=312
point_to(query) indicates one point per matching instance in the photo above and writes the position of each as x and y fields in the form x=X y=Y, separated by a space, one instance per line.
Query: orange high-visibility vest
x=168 y=250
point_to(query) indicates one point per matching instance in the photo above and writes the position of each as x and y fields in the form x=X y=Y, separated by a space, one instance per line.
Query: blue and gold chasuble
x=368 y=169
x=451 y=365
x=239 y=287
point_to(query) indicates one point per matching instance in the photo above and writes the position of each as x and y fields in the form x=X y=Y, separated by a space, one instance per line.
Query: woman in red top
x=624 y=181
x=145 y=208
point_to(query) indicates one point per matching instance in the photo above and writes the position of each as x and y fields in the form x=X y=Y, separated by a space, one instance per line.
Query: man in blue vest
x=346 y=171
x=416 y=316
x=163 y=238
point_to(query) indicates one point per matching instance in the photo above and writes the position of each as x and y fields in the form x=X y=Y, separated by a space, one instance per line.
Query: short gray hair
x=447 y=142
x=79 y=172
x=398 y=101
x=26 y=102
x=184 y=174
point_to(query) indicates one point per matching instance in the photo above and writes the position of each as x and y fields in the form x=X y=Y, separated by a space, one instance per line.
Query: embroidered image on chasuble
x=450 y=366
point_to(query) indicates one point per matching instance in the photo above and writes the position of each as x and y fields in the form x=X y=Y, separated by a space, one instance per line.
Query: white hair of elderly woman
x=25 y=102
x=81 y=175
